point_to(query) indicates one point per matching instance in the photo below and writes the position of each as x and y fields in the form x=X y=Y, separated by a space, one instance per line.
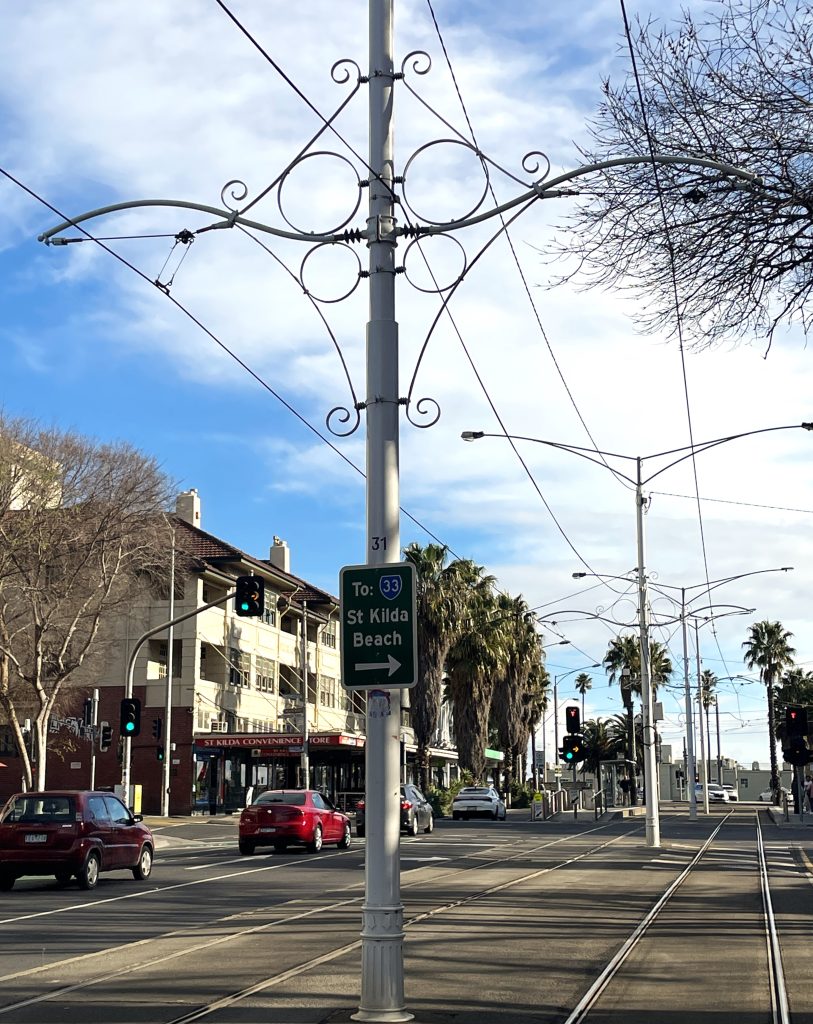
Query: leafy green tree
x=440 y=602
x=476 y=657
x=768 y=649
x=708 y=697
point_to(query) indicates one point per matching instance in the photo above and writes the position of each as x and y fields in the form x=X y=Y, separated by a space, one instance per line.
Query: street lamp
x=679 y=455
x=706 y=588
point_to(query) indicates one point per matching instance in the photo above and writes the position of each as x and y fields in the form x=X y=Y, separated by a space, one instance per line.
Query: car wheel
x=246 y=847
x=413 y=826
x=7 y=883
x=63 y=877
x=504 y=814
x=143 y=868
x=431 y=825
x=360 y=831
x=495 y=814
x=344 y=842
x=315 y=845
x=88 y=875
x=280 y=846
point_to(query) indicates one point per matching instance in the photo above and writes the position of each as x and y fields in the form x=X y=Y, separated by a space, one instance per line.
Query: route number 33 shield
x=390 y=587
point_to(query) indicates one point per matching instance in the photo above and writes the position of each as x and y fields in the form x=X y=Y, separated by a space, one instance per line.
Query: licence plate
x=36 y=837
x=268 y=830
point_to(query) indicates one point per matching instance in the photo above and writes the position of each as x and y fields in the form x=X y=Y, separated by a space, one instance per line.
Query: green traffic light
x=244 y=606
x=130 y=727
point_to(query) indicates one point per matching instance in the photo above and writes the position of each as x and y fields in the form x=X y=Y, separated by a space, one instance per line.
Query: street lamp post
x=599 y=457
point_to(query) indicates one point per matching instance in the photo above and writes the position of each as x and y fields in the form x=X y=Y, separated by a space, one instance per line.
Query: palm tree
x=522 y=652
x=583 y=683
x=623 y=662
x=795 y=687
x=602 y=744
x=475 y=658
x=619 y=662
x=768 y=649
x=708 y=682
x=438 y=595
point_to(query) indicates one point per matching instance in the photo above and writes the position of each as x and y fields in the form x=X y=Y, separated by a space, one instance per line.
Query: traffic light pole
x=128 y=684
x=94 y=722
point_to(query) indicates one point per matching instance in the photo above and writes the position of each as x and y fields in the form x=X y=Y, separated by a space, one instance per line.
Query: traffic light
x=249 y=597
x=159 y=752
x=795 y=720
x=573 y=749
x=130 y=724
x=156 y=728
x=105 y=737
x=796 y=752
x=573 y=720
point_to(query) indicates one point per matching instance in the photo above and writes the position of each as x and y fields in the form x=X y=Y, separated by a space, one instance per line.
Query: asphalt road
x=519 y=918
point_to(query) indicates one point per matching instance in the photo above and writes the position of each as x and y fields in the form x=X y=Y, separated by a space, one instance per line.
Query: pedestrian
x=624 y=786
x=808 y=798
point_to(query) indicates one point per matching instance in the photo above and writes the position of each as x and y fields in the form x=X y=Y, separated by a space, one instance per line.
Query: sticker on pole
x=379 y=646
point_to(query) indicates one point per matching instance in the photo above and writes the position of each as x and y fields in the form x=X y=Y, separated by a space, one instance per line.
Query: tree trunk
x=422 y=764
x=39 y=728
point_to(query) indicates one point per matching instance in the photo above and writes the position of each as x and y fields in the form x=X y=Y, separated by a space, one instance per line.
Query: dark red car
x=71 y=833
x=280 y=817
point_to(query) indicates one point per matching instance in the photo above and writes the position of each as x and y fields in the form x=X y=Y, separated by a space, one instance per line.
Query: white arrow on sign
x=368 y=666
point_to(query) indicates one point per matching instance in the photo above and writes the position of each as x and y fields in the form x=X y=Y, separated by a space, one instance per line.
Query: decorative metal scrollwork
x=343 y=415
x=421 y=410
x=435 y=289
x=233 y=193
x=298 y=163
x=421 y=63
x=310 y=291
x=343 y=76
x=423 y=149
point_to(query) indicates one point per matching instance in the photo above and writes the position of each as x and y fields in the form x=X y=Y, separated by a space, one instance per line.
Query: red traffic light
x=573 y=719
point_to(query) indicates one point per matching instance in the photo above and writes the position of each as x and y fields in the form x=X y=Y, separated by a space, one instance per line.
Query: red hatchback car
x=280 y=817
x=67 y=833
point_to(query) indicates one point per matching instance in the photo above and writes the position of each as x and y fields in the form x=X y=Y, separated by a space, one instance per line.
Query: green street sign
x=379 y=642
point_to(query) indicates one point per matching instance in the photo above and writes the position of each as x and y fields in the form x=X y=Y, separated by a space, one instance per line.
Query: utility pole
x=653 y=830
x=165 y=767
x=304 y=762
x=691 y=770
x=94 y=723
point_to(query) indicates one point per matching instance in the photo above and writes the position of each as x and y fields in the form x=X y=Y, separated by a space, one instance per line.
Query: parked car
x=716 y=793
x=475 y=801
x=71 y=833
x=280 y=817
x=416 y=812
x=766 y=796
x=732 y=792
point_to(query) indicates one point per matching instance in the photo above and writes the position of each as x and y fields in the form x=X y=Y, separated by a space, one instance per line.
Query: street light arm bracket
x=229 y=219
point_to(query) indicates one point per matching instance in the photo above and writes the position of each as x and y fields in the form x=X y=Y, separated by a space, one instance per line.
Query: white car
x=716 y=793
x=766 y=796
x=732 y=792
x=474 y=801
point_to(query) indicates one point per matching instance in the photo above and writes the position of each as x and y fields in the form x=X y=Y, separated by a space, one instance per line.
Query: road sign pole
x=382 y=934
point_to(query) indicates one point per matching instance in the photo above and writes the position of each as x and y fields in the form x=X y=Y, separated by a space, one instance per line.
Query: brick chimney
x=187 y=507
x=279 y=555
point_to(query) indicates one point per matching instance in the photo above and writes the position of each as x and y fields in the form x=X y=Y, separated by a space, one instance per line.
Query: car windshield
x=295 y=798
x=38 y=807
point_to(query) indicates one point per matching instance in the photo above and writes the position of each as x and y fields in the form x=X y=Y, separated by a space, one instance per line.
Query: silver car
x=478 y=801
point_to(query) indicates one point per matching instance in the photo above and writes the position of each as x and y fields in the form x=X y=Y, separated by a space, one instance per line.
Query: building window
x=270 y=610
x=239 y=667
x=329 y=635
x=266 y=675
x=328 y=691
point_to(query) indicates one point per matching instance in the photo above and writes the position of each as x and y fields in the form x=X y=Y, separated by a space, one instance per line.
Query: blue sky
x=171 y=101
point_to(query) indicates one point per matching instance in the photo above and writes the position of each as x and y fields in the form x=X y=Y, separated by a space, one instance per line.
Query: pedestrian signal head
x=573 y=719
x=795 y=720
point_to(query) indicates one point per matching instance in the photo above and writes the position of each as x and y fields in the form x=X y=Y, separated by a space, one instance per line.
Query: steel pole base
x=382 y=972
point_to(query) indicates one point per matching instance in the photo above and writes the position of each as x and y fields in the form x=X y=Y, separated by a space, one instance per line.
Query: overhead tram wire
x=678 y=315
x=517 y=263
x=221 y=344
x=744 y=504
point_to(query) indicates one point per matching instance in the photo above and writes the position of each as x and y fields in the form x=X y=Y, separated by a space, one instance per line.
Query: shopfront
x=227 y=767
